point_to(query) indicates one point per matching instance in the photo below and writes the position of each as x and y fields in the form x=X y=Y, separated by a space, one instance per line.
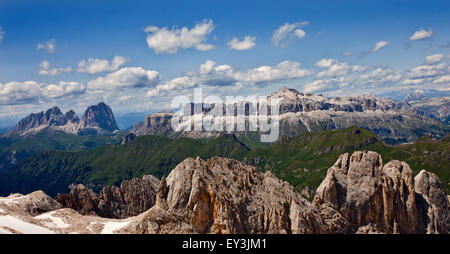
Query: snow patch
x=56 y=222
x=109 y=227
x=22 y=226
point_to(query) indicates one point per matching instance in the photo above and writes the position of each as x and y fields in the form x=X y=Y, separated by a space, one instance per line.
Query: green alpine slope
x=302 y=160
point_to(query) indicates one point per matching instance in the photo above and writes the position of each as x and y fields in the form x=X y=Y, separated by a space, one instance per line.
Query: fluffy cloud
x=436 y=58
x=163 y=40
x=380 y=45
x=14 y=93
x=443 y=79
x=319 y=85
x=2 y=34
x=421 y=34
x=17 y=93
x=326 y=62
x=340 y=79
x=63 y=89
x=226 y=76
x=49 y=46
x=207 y=67
x=174 y=84
x=369 y=77
x=299 y=33
x=246 y=44
x=130 y=77
x=336 y=68
x=283 y=71
x=96 y=65
x=46 y=70
x=288 y=31
x=427 y=71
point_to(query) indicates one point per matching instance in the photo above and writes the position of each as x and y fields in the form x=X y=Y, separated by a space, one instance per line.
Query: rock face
x=358 y=195
x=226 y=196
x=435 y=108
x=34 y=203
x=51 y=117
x=131 y=198
x=294 y=101
x=395 y=122
x=154 y=124
x=385 y=198
x=98 y=117
x=128 y=138
x=433 y=203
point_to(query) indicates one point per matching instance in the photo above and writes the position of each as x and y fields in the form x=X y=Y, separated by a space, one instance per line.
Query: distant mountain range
x=395 y=122
x=53 y=130
x=97 y=119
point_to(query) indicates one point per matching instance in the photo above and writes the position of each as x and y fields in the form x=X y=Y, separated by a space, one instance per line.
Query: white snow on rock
x=22 y=226
x=56 y=222
x=110 y=227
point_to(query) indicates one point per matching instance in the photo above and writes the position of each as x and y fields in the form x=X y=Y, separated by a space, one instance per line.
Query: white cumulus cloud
x=130 y=77
x=96 y=65
x=63 y=89
x=334 y=68
x=246 y=44
x=225 y=75
x=31 y=92
x=380 y=45
x=163 y=40
x=421 y=34
x=436 y=58
x=287 y=31
x=300 y=33
x=14 y=93
x=46 y=70
x=49 y=46
x=442 y=79
x=325 y=62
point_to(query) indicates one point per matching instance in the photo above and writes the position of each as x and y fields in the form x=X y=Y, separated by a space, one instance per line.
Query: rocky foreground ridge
x=96 y=119
x=359 y=194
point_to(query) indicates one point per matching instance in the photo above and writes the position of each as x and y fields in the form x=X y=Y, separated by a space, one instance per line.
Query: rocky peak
x=387 y=198
x=417 y=95
x=72 y=116
x=51 y=117
x=359 y=194
x=226 y=196
x=295 y=101
x=154 y=124
x=129 y=199
x=434 y=205
x=285 y=92
x=100 y=116
x=54 y=117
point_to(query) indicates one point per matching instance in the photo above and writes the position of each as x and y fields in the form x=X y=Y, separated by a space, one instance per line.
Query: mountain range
x=394 y=122
x=141 y=180
x=97 y=119
x=53 y=130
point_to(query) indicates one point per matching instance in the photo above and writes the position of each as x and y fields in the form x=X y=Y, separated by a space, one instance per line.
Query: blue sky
x=150 y=68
